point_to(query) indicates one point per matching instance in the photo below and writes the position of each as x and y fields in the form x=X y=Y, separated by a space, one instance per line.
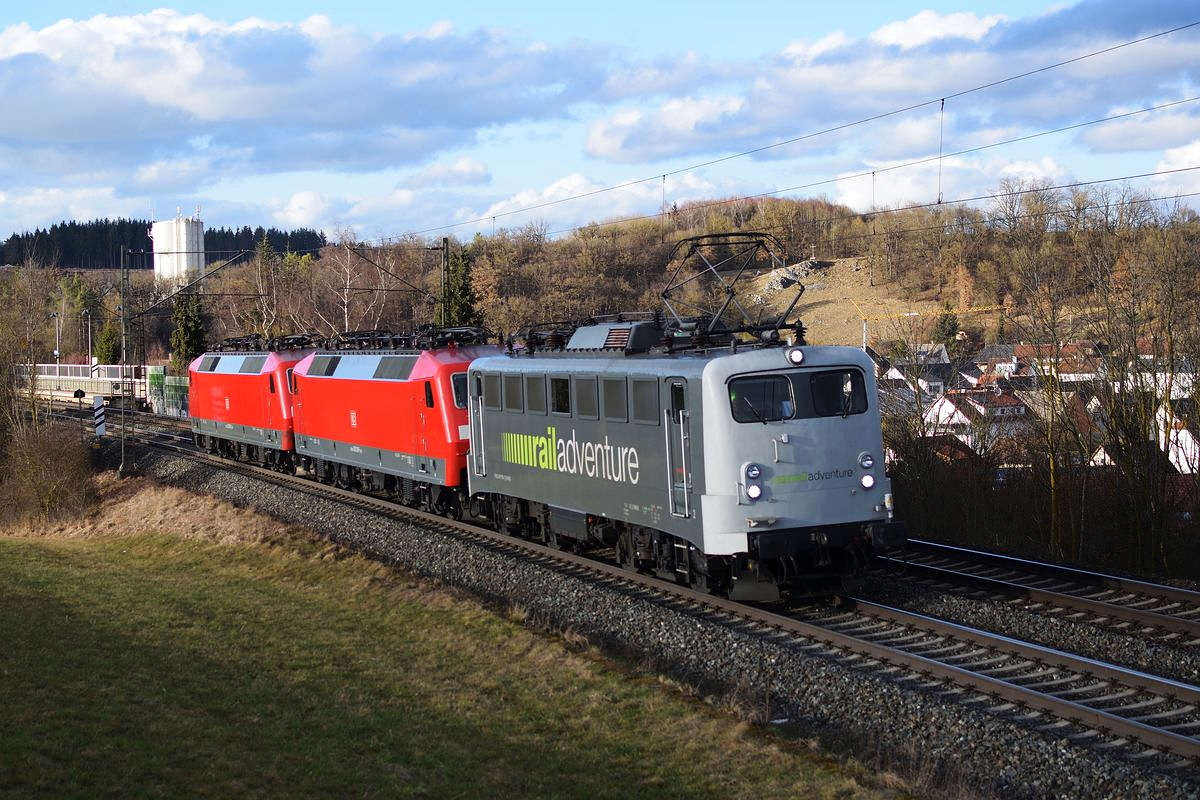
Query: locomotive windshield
x=798 y=395
x=458 y=383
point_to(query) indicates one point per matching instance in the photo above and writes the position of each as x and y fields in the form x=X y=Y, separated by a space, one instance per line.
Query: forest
x=1108 y=266
x=97 y=244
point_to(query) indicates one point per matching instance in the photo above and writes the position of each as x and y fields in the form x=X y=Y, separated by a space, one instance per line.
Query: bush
x=46 y=477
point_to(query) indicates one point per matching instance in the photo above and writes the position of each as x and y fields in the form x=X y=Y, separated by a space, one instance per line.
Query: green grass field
x=147 y=664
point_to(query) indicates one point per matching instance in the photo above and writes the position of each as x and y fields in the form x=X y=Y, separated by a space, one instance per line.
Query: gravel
x=894 y=720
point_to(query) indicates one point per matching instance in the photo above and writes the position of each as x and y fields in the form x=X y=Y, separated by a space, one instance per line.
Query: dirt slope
x=828 y=306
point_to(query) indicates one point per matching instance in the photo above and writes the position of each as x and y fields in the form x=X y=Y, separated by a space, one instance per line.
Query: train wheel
x=448 y=506
x=625 y=551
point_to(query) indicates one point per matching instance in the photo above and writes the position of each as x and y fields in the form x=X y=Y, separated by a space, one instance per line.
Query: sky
x=375 y=121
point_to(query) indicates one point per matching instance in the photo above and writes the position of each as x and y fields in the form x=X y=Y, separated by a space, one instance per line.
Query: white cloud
x=1033 y=170
x=575 y=200
x=438 y=30
x=40 y=207
x=383 y=204
x=1183 y=165
x=171 y=175
x=1144 y=131
x=648 y=78
x=680 y=123
x=808 y=53
x=570 y=201
x=461 y=172
x=303 y=210
x=900 y=184
x=928 y=26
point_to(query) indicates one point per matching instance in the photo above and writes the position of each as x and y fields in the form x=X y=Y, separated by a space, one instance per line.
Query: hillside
x=828 y=306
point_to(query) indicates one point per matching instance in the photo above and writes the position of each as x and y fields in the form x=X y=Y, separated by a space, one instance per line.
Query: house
x=997 y=359
x=1070 y=363
x=929 y=374
x=1148 y=453
x=980 y=419
x=1073 y=413
x=1177 y=425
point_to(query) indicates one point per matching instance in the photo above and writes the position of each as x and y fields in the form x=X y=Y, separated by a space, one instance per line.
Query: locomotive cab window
x=761 y=398
x=838 y=393
x=799 y=395
x=458 y=385
x=395 y=368
x=323 y=366
x=252 y=365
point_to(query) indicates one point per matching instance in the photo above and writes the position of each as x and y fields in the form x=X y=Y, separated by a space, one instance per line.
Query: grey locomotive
x=718 y=454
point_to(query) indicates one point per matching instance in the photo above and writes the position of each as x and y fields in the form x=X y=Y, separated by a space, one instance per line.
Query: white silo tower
x=178 y=248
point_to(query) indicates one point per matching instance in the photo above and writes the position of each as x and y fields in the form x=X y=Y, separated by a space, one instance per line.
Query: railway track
x=1170 y=612
x=1105 y=705
x=1105 y=698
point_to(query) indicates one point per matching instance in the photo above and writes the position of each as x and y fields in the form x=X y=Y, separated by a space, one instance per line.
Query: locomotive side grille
x=617 y=338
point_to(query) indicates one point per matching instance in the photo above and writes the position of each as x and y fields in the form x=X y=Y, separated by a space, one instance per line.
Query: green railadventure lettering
x=598 y=460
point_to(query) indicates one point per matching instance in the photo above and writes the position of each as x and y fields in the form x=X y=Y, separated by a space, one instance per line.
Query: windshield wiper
x=753 y=410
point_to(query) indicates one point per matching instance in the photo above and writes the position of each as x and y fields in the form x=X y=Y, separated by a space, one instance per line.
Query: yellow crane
x=937 y=311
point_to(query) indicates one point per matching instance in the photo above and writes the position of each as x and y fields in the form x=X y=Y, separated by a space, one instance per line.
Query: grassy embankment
x=245 y=659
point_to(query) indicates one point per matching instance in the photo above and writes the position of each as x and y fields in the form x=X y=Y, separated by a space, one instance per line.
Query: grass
x=245 y=659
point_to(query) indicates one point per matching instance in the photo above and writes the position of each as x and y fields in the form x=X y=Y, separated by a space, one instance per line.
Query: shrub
x=46 y=476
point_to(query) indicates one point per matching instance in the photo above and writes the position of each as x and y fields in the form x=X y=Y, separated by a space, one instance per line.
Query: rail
x=1150 y=605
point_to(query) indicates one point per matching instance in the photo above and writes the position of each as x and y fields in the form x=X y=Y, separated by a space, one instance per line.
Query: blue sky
x=380 y=120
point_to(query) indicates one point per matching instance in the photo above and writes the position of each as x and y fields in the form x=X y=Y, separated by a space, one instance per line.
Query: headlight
x=866 y=460
x=753 y=471
x=754 y=491
x=868 y=481
x=795 y=356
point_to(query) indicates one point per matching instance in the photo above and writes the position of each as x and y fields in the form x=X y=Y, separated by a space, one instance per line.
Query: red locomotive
x=371 y=411
x=240 y=399
x=381 y=412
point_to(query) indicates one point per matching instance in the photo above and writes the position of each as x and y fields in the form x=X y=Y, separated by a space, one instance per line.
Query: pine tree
x=461 y=310
x=108 y=344
x=187 y=339
x=947 y=326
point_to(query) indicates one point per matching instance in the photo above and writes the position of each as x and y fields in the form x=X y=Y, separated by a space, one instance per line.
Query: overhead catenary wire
x=842 y=127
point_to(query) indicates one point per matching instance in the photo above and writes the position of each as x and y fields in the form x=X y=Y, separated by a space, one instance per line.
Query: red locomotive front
x=240 y=403
x=386 y=419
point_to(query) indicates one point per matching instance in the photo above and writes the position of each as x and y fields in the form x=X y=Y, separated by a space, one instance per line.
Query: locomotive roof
x=717 y=363
x=391 y=365
x=249 y=362
x=645 y=334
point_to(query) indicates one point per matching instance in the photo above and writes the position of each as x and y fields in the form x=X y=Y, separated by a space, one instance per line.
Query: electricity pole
x=121 y=470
